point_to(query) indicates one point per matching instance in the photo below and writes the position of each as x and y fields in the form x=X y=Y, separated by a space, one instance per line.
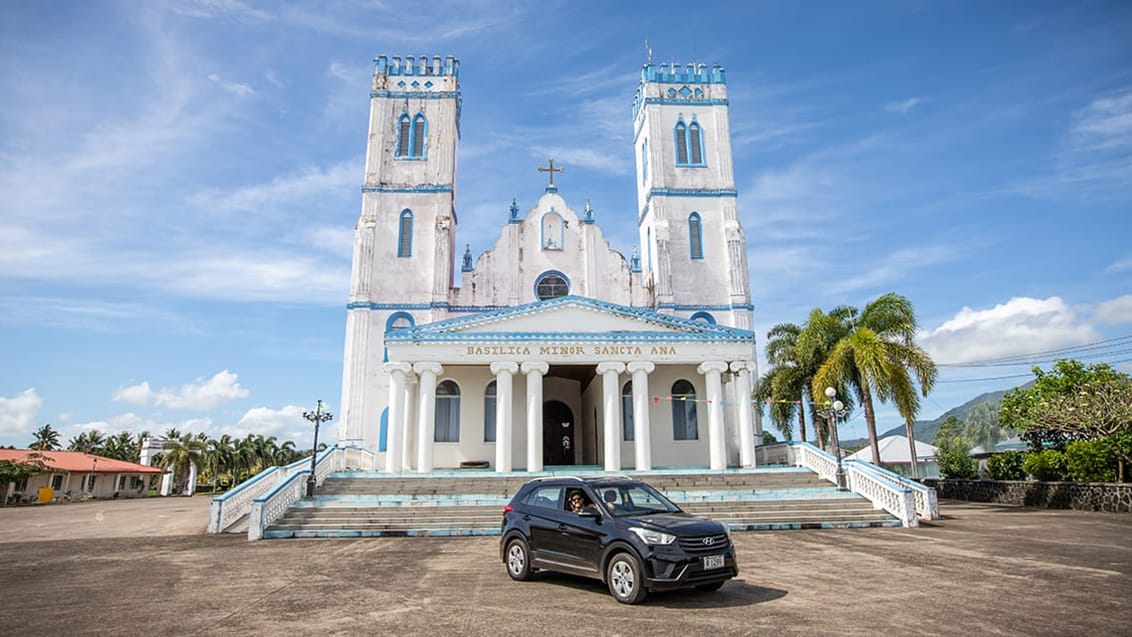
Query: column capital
x=499 y=367
x=422 y=368
x=610 y=366
x=711 y=366
x=404 y=368
x=739 y=366
x=532 y=367
x=640 y=366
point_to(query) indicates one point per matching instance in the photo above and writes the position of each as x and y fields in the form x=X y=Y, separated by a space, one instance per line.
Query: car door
x=581 y=540
x=541 y=513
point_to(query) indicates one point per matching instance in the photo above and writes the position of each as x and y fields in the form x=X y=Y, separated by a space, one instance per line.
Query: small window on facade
x=695 y=236
x=627 y=411
x=21 y=485
x=447 y=412
x=403 y=137
x=489 y=413
x=684 y=426
x=57 y=481
x=405 y=234
x=694 y=144
x=418 y=136
x=551 y=286
x=645 y=161
x=681 y=144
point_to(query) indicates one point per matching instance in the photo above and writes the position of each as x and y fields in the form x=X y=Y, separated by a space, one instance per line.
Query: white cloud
x=18 y=414
x=239 y=89
x=896 y=266
x=286 y=423
x=1022 y=325
x=903 y=107
x=305 y=185
x=1122 y=265
x=1116 y=311
x=203 y=394
x=1106 y=123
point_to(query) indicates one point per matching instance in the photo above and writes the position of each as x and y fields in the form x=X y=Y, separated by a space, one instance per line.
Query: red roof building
x=76 y=474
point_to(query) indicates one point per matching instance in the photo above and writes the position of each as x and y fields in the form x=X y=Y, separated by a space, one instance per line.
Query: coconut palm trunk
x=870 y=421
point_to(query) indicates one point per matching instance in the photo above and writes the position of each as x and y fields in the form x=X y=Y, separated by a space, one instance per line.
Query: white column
x=717 y=447
x=395 y=419
x=534 y=370
x=611 y=401
x=642 y=432
x=743 y=395
x=426 y=405
x=503 y=373
x=408 y=423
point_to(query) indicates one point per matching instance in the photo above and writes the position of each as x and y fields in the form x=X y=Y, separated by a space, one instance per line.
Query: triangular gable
x=569 y=318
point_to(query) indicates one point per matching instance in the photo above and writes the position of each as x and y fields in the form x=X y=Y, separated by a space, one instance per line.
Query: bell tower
x=404 y=240
x=694 y=252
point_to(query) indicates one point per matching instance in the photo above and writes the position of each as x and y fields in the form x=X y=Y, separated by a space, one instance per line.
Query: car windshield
x=633 y=499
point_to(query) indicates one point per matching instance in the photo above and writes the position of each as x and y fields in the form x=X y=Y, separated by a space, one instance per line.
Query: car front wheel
x=626 y=579
x=518 y=560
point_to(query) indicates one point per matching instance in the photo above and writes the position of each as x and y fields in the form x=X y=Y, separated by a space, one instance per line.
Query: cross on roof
x=551 y=170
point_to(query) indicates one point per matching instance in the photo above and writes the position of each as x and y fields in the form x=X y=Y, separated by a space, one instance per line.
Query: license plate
x=713 y=561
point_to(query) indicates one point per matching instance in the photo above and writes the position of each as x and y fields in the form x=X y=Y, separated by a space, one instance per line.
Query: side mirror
x=590 y=512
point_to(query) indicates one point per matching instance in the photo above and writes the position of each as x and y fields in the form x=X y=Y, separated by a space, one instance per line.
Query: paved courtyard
x=146 y=568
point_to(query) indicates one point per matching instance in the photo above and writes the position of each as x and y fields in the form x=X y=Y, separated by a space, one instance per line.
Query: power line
x=1035 y=357
x=972 y=380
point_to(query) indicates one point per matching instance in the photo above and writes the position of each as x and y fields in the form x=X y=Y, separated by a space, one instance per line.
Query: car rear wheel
x=626 y=579
x=518 y=560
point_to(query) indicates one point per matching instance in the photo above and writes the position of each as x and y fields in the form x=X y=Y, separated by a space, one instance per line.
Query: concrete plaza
x=145 y=567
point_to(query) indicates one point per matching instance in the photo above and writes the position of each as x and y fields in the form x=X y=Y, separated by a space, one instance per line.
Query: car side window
x=545 y=497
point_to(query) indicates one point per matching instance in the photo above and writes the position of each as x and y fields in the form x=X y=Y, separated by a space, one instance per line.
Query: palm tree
x=784 y=384
x=816 y=341
x=877 y=358
x=178 y=455
x=46 y=439
x=982 y=426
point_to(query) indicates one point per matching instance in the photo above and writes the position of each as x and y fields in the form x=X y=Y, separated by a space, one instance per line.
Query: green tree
x=46 y=439
x=784 y=384
x=1023 y=409
x=178 y=455
x=878 y=358
x=12 y=471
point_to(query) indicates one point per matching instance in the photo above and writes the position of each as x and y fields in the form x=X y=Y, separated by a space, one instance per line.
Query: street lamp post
x=835 y=409
x=317 y=417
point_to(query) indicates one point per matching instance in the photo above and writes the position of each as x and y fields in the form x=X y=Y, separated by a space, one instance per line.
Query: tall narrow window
x=694 y=145
x=627 y=411
x=695 y=236
x=405 y=234
x=403 y=137
x=681 y=143
x=418 y=136
x=447 y=412
x=645 y=161
x=684 y=426
x=648 y=250
x=489 y=413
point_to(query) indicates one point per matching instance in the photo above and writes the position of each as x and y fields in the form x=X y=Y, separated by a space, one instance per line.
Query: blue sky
x=181 y=180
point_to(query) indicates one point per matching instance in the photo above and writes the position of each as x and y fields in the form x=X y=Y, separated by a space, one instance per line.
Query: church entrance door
x=558 y=440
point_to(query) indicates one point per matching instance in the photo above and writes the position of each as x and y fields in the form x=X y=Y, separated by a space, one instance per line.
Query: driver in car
x=579 y=503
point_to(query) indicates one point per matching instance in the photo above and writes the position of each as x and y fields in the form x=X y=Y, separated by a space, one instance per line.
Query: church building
x=554 y=349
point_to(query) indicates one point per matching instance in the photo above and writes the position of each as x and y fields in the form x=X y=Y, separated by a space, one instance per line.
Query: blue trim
x=383 y=430
x=706 y=316
x=410 y=67
x=384 y=307
x=695 y=236
x=399 y=315
x=540 y=277
x=682 y=192
x=405 y=244
x=426 y=188
x=416 y=95
x=703 y=308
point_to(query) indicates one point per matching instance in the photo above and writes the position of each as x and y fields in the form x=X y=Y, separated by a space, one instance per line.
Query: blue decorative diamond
x=428 y=84
x=401 y=84
x=415 y=84
x=685 y=91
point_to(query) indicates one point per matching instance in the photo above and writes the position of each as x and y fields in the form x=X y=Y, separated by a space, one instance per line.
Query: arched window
x=627 y=411
x=704 y=317
x=447 y=412
x=489 y=413
x=551 y=285
x=681 y=143
x=645 y=161
x=684 y=426
x=419 y=128
x=383 y=434
x=404 y=132
x=695 y=144
x=695 y=236
x=405 y=234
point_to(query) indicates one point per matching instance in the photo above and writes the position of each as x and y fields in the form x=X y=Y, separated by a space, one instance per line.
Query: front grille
x=704 y=543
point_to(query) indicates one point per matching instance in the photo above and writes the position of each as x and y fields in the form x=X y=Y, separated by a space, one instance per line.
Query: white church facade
x=554 y=350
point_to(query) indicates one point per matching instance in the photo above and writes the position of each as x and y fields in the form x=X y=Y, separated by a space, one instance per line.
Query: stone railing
x=896 y=499
x=231 y=507
x=1081 y=496
x=271 y=506
x=927 y=503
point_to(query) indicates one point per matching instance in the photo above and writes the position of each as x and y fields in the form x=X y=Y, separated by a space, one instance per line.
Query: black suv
x=622 y=531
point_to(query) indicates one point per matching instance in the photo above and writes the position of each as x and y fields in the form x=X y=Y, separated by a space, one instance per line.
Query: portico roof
x=570 y=319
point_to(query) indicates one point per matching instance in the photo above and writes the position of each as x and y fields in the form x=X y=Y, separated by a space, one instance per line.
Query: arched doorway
x=558 y=439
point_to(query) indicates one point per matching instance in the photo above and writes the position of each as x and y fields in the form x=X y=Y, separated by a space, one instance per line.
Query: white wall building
x=555 y=349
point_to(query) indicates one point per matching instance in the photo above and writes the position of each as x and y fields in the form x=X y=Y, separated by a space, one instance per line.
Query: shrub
x=955 y=463
x=1090 y=461
x=1006 y=466
x=1045 y=466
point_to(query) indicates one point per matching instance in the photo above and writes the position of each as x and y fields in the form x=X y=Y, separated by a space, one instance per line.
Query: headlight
x=649 y=536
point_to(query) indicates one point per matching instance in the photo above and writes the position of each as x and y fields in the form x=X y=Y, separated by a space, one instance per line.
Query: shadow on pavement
x=735 y=593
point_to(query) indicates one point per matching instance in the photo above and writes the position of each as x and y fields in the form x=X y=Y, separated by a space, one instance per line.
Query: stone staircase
x=464 y=503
